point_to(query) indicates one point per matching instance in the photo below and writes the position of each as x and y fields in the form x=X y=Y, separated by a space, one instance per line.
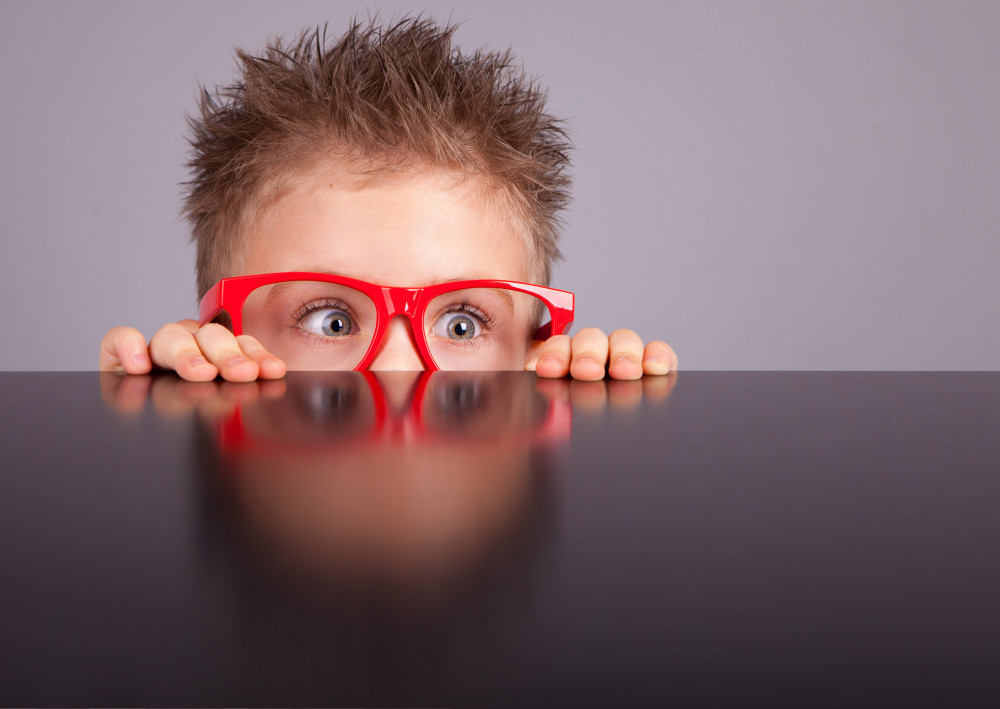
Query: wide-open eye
x=460 y=326
x=328 y=322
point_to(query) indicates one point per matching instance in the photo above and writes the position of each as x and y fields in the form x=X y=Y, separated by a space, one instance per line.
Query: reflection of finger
x=270 y=366
x=240 y=392
x=222 y=350
x=625 y=355
x=125 y=394
x=272 y=389
x=124 y=348
x=658 y=388
x=659 y=358
x=553 y=357
x=173 y=397
x=588 y=396
x=215 y=407
x=624 y=395
x=553 y=389
x=590 y=354
x=174 y=347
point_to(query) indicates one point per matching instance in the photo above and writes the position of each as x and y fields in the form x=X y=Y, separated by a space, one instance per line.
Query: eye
x=458 y=326
x=328 y=322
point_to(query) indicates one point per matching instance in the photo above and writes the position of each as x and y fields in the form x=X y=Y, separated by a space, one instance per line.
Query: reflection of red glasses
x=323 y=321
x=353 y=409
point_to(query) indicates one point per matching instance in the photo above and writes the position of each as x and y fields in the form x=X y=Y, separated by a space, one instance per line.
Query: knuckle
x=249 y=343
x=214 y=331
x=625 y=336
x=556 y=342
x=590 y=332
x=171 y=330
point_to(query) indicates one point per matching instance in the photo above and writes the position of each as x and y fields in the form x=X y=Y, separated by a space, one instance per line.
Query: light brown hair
x=382 y=98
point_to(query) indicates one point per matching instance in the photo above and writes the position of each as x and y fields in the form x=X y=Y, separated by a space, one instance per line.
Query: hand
x=590 y=354
x=197 y=354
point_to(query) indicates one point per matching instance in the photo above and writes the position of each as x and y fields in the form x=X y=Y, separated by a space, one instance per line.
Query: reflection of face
x=410 y=229
x=417 y=499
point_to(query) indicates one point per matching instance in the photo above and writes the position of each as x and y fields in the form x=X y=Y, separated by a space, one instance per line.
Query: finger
x=553 y=357
x=531 y=358
x=189 y=325
x=222 y=350
x=625 y=355
x=590 y=355
x=124 y=348
x=659 y=358
x=270 y=366
x=174 y=347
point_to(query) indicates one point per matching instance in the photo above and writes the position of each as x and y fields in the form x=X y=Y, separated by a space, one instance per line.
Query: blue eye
x=457 y=326
x=328 y=322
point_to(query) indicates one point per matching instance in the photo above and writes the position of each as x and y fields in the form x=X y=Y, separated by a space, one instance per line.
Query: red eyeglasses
x=318 y=321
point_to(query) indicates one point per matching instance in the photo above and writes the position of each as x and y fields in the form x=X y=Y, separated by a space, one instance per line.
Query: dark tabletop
x=332 y=539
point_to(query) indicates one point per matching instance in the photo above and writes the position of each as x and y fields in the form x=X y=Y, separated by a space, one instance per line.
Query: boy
x=385 y=157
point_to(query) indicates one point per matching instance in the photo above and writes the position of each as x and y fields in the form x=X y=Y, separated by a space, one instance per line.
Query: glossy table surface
x=332 y=539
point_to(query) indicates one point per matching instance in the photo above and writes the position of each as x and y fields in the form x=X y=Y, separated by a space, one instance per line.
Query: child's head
x=388 y=136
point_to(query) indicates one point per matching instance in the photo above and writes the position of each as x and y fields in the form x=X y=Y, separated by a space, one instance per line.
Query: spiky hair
x=382 y=98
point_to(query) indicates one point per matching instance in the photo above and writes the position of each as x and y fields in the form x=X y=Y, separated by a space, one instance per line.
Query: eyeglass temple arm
x=545 y=331
x=211 y=304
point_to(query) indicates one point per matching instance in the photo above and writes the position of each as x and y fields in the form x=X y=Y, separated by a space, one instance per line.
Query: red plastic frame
x=229 y=295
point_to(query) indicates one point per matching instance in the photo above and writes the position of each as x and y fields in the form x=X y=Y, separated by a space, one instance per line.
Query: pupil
x=336 y=324
x=460 y=328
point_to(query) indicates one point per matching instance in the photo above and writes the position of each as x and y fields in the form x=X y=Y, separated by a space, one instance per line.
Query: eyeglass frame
x=229 y=296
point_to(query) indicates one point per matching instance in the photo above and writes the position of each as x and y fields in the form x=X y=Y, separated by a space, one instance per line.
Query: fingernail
x=140 y=358
x=198 y=361
x=623 y=358
x=551 y=359
x=235 y=361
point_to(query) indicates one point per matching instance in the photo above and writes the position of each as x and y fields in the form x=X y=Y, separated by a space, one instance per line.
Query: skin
x=413 y=229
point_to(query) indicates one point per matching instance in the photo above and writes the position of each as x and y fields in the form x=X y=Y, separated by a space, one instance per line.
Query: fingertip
x=195 y=368
x=271 y=367
x=240 y=369
x=659 y=359
x=551 y=367
x=625 y=368
x=136 y=361
x=587 y=368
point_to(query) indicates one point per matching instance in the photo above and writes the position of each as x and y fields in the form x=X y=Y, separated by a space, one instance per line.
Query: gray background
x=765 y=185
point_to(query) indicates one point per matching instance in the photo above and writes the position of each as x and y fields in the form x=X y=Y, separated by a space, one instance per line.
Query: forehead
x=406 y=228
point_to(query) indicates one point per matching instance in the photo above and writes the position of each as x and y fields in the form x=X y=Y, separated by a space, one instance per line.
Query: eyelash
x=328 y=304
x=489 y=322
